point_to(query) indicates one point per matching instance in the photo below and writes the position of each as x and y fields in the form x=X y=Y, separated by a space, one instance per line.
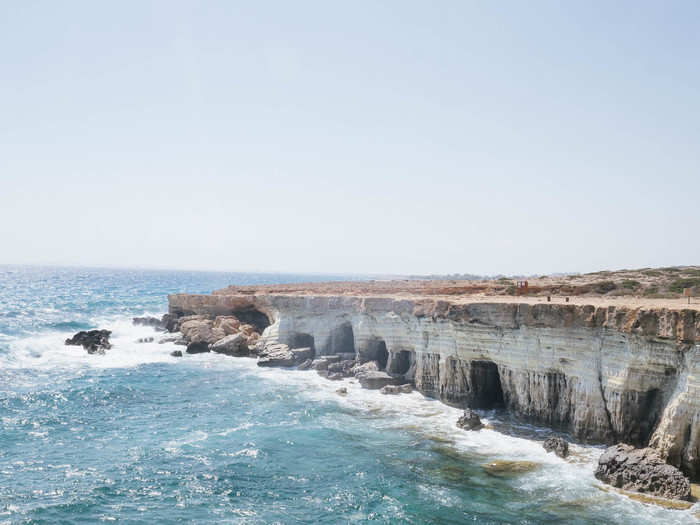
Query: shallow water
x=138 y=436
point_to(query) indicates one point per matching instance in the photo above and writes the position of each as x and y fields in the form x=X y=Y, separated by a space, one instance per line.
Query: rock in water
x=557 y=445
x=393 y=389
x=377 y=380
x=199 y=347
x=279 y=354
x=342 y=391
x=641 y=470
x=305 y=365
x=94 y=341
x=176 y=353
x=469 y=421
x=156 y=323
x=235 y=344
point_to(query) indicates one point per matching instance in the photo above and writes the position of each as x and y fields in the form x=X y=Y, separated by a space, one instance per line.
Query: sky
x=351 y=137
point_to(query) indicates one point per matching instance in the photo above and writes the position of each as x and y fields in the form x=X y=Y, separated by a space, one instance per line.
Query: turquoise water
x=138 y=436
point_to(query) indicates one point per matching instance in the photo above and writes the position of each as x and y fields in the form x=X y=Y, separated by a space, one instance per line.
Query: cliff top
x=643 y=288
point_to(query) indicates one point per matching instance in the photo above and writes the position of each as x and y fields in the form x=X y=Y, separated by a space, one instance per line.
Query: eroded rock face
x=642 y=470
x=603 y=374
x=469 y=420
x=94 y=341
x=557 y=445
x=198 y=347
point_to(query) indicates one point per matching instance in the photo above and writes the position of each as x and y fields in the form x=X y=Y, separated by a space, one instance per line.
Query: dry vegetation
x=648 y=283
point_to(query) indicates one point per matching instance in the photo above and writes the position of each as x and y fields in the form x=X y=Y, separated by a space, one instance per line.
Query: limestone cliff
x=604 y=374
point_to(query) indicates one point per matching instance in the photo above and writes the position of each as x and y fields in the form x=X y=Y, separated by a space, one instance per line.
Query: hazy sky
x=380 y=137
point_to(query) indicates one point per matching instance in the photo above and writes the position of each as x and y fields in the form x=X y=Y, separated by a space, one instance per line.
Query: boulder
x=335 y=376
x=234 y=344
x=342 y=391
x=320 y=364
x=369 y=366
x=200 y=347
x=557 y=445
x=228 y=323
x=306 y=365
x=641 y=470
x=342 y=367
x=376 y=380
x=396 y=389
x=94 y=341
x=176 y=353
x=201 y=331
x=469 y=420
x=169 y=322
x=156 y=323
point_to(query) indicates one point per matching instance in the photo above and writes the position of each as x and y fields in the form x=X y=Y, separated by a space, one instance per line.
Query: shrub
x=652 y=273
x=630 y=284
x=604 y=286
x=652 y=290
x=678 y=285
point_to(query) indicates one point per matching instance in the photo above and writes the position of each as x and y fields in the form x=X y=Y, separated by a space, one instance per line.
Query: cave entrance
x=342 y=340
x=254 y=317
x=375 y=350
x=301 y=340
x=485 y=382
x=400 y=362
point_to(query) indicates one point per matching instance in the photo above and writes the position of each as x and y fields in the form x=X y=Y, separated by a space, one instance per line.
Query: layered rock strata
x=603 y=374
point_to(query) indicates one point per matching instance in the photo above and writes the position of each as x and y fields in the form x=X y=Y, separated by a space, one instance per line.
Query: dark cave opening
x=254 y=317
x=301 y=340
x=342 y=340
x=375 y=350
x=400 y=362
x=486 y=386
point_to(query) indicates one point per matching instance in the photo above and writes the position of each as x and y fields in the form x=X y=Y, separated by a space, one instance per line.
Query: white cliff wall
x=602 y=374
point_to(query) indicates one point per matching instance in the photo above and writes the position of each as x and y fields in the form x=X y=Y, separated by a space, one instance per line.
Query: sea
x=139 y=436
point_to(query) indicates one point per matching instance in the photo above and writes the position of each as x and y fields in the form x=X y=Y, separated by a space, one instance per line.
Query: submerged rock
x=176 y=353
x=342 y=391
x=557 y=445
x=234 y=344
x=396 y=389
x=641 y=470
x=469 y=420
x=145 y=340
x=94 y=341
x=504 y=468
x=377 y=380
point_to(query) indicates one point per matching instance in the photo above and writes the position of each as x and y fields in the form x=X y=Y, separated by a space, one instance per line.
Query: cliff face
x=602 y=374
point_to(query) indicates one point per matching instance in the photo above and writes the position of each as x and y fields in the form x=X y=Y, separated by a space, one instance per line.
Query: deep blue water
x=138 y=436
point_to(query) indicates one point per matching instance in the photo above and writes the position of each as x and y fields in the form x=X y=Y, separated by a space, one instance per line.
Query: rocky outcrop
x=281 y=355
x=603 y=374
x=469 y=420
x=642 y=470
x=94 y=341
x=557 y=445
x=234 y=344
